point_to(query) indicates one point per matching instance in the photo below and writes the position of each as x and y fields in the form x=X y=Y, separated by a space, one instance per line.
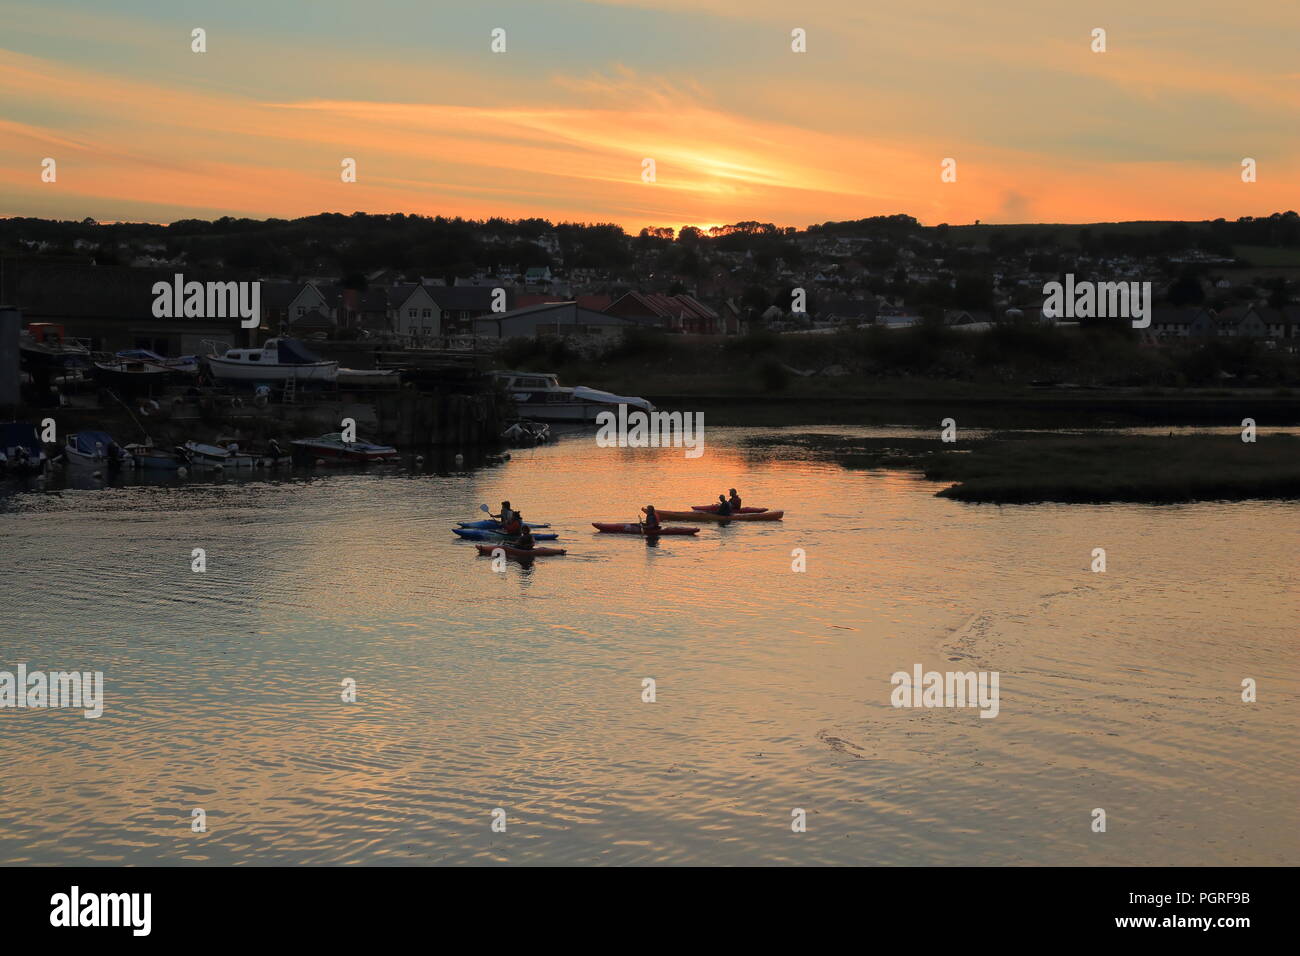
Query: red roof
x=671 y=306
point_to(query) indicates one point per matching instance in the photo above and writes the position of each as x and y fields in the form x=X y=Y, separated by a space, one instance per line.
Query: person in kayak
x=724 y=507
x=514 y=525
x=506 y=513
x=525 y=540
x=651 y=522
x=734 y=501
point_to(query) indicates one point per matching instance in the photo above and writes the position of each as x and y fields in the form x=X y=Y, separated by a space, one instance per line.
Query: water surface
x=522 y=690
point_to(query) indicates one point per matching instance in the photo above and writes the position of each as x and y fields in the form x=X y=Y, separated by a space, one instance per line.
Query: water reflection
x=523 y=689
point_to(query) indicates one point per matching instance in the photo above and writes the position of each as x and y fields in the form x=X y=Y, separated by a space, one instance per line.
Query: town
x=411 y=280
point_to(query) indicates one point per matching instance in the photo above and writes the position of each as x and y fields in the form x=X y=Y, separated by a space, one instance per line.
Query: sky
x=739 y=126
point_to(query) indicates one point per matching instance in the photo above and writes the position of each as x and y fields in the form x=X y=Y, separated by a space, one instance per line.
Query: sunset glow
x=739 y=126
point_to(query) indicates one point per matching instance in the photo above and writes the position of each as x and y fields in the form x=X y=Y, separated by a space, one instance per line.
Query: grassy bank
x=1122 y=468
x=873 y=360
x=1029 y=468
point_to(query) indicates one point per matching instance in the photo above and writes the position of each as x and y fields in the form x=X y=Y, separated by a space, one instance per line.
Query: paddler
x=734 y=501
x=506 y=514
x=724 y=507
x=525 y=540
x=514 y=525
x=651 y=523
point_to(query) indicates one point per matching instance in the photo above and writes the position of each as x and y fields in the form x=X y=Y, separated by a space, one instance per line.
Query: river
x=522 y=690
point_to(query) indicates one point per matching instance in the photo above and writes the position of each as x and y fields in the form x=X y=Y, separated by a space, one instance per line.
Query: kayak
x=714 y=508
x=612 y=528
x=487 y=524
x=519 y=552
x=707 y=516
x=476 y=534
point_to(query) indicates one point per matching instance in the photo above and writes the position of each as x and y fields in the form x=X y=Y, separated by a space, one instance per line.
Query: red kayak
x=714 y=509
x=520 y=552
x=611 y=528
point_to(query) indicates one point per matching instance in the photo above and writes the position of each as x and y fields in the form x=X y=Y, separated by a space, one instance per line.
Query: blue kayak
x=478 y=534
x=487 y=524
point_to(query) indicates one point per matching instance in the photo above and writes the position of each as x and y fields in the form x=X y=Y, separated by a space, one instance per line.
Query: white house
x=412 y=312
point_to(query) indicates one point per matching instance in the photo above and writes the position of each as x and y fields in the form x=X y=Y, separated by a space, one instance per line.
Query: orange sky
x=739 y=126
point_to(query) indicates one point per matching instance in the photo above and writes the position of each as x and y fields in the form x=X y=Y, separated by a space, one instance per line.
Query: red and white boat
x=333 y=448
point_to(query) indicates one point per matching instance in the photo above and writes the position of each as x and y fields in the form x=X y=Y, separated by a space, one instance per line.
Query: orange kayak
x=743 y=511
x=709 y=516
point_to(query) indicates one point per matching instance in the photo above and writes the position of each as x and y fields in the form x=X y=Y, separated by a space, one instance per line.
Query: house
x=1174 y=323
x=1241 y=321
x=461 y=305
x=1279 y=324
x=309 y=298
x=538 y=279
x=673 y=313
x=413 y=312
x=551 y=318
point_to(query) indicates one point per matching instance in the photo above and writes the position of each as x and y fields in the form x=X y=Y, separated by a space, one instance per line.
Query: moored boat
x=150 y=458
x=203 y=455
x=94 y=449
x=278 y=361
x=21 y=450
x=132 y=376
x=332 y=448
x=541 y=397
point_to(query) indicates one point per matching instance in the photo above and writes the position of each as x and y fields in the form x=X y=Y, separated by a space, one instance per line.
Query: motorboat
x=278 y=361
x=184 y=364
x=94 y=449
x=133 y=376
x=21 y=450
x=203 y=455
x=43 y=345
x=148 y=457
x=333 y=448
x=524 y=432
x=540 y=396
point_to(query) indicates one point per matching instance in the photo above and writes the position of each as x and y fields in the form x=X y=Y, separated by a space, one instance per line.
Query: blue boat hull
x=475 y=534
x=487 y=524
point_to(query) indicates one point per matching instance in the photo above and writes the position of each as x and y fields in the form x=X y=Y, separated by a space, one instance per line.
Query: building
x=461 y=305
x=112 y=307
x=1241 y=321
x=1175 y=323
x=413 y=312
x=566 y=319
x=672 y=313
